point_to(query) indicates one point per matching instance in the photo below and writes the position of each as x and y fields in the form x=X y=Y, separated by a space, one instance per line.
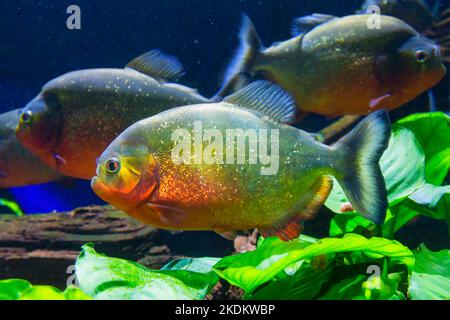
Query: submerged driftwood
x=43 y=248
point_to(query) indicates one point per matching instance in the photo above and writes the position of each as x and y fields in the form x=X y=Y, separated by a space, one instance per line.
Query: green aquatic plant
x=430 y=279
x=432 y=131
x=14 y=207
x=103 y=277
x=351 y=255
x=351 y=267
x=414 y=167
x=17 y=289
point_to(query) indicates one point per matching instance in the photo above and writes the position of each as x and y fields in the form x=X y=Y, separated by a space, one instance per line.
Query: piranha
x=232 y=186
x=338 y=66
x=18 y=166
x=77 y=115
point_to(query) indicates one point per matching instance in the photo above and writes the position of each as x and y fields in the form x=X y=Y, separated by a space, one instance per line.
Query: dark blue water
x=36 y=46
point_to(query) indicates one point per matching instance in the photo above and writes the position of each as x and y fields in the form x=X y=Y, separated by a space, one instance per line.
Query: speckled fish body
x=341 y=67
x=18 y=166
x=222 y=196
x=77 y=115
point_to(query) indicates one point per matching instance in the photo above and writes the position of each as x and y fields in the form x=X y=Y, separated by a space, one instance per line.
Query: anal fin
x=290 y=228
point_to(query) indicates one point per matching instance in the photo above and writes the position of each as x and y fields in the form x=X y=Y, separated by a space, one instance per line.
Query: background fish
x=18 y=166
x=75 y=117
x=421 y=16
x=338 y=66
x=137 y=173
x=416 y=13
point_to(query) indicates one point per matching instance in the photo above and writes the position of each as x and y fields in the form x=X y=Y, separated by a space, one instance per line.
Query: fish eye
x=113 y=165
x=421 y=56
x=26 y=117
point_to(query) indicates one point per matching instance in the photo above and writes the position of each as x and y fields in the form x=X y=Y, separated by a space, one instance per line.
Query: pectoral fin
x=161 y=214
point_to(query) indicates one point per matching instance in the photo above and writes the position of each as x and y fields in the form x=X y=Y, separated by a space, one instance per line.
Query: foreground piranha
x=338 y=66
x=190 y=168
x=76 y=116
x=18 y=166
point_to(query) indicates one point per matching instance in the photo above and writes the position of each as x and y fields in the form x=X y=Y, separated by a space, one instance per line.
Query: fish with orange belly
x=77 y=115
x=18 y=166
x=234 y=166
x=339 y=66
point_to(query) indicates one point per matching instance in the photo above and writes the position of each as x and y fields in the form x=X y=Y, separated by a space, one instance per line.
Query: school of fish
x=174 y=159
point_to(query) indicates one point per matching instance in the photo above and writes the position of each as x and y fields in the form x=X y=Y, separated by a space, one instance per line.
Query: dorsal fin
x=158 y=65
x=304 y=24
x=267 y=98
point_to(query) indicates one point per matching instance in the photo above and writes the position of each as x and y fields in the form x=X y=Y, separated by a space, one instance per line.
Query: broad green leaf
x=73 y=293
x=402 y=167
x=201 y=265
x=16 y=289
x=11 y=289
x=397 y=217
x=351 y=223
x=348 y=289
x=51 y=293
x=303 y=285
x=432 y=130
x=108 y=278
x=434 y=201
x=253 y=269
x=430 y=201
x=430 y=279
x=14 y=207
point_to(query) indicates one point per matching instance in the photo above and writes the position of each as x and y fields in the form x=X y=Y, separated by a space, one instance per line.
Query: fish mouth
x=98 y=187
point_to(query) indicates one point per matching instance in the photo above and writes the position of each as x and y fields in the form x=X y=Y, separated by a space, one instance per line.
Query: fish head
x=127 y=174
x=5 y=165
x=416 y=67
x=39 y=127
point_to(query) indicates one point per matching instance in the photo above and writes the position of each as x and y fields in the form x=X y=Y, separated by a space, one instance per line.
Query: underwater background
x=36 y=47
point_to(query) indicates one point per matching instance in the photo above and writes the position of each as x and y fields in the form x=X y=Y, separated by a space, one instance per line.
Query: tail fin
x=236 y=75
x=359 y=173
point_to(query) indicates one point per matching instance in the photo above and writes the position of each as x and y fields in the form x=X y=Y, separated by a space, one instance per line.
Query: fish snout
x=99 y=187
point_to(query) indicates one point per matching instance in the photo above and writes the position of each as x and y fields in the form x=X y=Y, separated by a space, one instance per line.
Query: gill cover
x=40 y=124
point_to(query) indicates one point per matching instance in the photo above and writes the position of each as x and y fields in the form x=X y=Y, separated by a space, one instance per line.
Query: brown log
x=42 y=248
